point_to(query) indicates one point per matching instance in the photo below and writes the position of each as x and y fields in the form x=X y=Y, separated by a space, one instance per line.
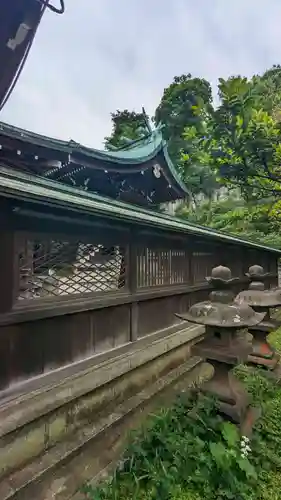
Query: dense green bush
x=255 y=220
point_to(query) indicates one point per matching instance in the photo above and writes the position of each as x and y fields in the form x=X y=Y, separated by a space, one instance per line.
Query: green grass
x=188 y=452
x=275 y=338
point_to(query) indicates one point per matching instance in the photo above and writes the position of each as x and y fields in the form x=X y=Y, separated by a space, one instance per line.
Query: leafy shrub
x=189 y=447
x=188 y=452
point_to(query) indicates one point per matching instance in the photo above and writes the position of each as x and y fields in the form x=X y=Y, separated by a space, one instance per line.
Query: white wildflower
x=245 y=448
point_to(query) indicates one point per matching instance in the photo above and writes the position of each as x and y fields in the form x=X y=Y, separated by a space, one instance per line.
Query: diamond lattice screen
x=52 y=268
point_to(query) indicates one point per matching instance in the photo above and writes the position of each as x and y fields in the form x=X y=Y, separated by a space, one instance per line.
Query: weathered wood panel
x=157 y=314
x=35 y=347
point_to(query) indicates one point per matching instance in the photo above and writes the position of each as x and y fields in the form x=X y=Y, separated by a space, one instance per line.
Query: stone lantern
x=261 y=300
x=224 y=346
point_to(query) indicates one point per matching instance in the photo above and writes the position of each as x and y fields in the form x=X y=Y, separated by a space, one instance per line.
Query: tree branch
x=256 y=186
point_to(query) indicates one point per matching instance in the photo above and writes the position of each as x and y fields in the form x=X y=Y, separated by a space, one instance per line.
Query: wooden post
x=9 y=271
x=134 y=309
x=191 y=268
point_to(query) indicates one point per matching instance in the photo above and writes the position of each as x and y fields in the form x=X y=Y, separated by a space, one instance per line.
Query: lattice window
x=159 y=267
x=202 y=265
x=55 y=268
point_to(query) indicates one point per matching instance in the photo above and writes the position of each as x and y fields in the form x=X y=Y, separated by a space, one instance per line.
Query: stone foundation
x=54 y=439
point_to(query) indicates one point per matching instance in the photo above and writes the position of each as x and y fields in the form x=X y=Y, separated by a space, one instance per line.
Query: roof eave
x=80 y=154
x=53 y=193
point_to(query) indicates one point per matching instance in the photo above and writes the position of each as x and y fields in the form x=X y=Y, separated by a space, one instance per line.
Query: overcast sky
x=103 y=55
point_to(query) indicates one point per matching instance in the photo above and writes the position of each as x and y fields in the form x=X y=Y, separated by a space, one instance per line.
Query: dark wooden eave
x=142 y=174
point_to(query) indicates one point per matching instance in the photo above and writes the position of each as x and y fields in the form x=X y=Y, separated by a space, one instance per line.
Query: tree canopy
x=244 y=143
x=183 y=104
x=235 y=144
x=126 y=126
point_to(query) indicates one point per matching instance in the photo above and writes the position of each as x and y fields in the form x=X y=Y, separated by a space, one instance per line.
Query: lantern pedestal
x=262 y=300
x=233 y=399
x=263 y=353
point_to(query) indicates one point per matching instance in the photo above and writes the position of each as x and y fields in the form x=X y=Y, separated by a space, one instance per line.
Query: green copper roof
x=144 y=150
x=26 y=187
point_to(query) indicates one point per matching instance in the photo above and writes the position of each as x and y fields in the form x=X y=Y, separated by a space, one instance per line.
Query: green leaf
x=248 y=468
x=230 y=434
x=219 y=453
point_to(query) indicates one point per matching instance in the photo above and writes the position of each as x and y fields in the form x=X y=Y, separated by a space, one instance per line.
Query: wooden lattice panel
x=162 y=266
x=58 y=267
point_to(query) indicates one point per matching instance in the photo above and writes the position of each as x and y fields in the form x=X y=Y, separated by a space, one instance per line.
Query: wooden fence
x=71 y=291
